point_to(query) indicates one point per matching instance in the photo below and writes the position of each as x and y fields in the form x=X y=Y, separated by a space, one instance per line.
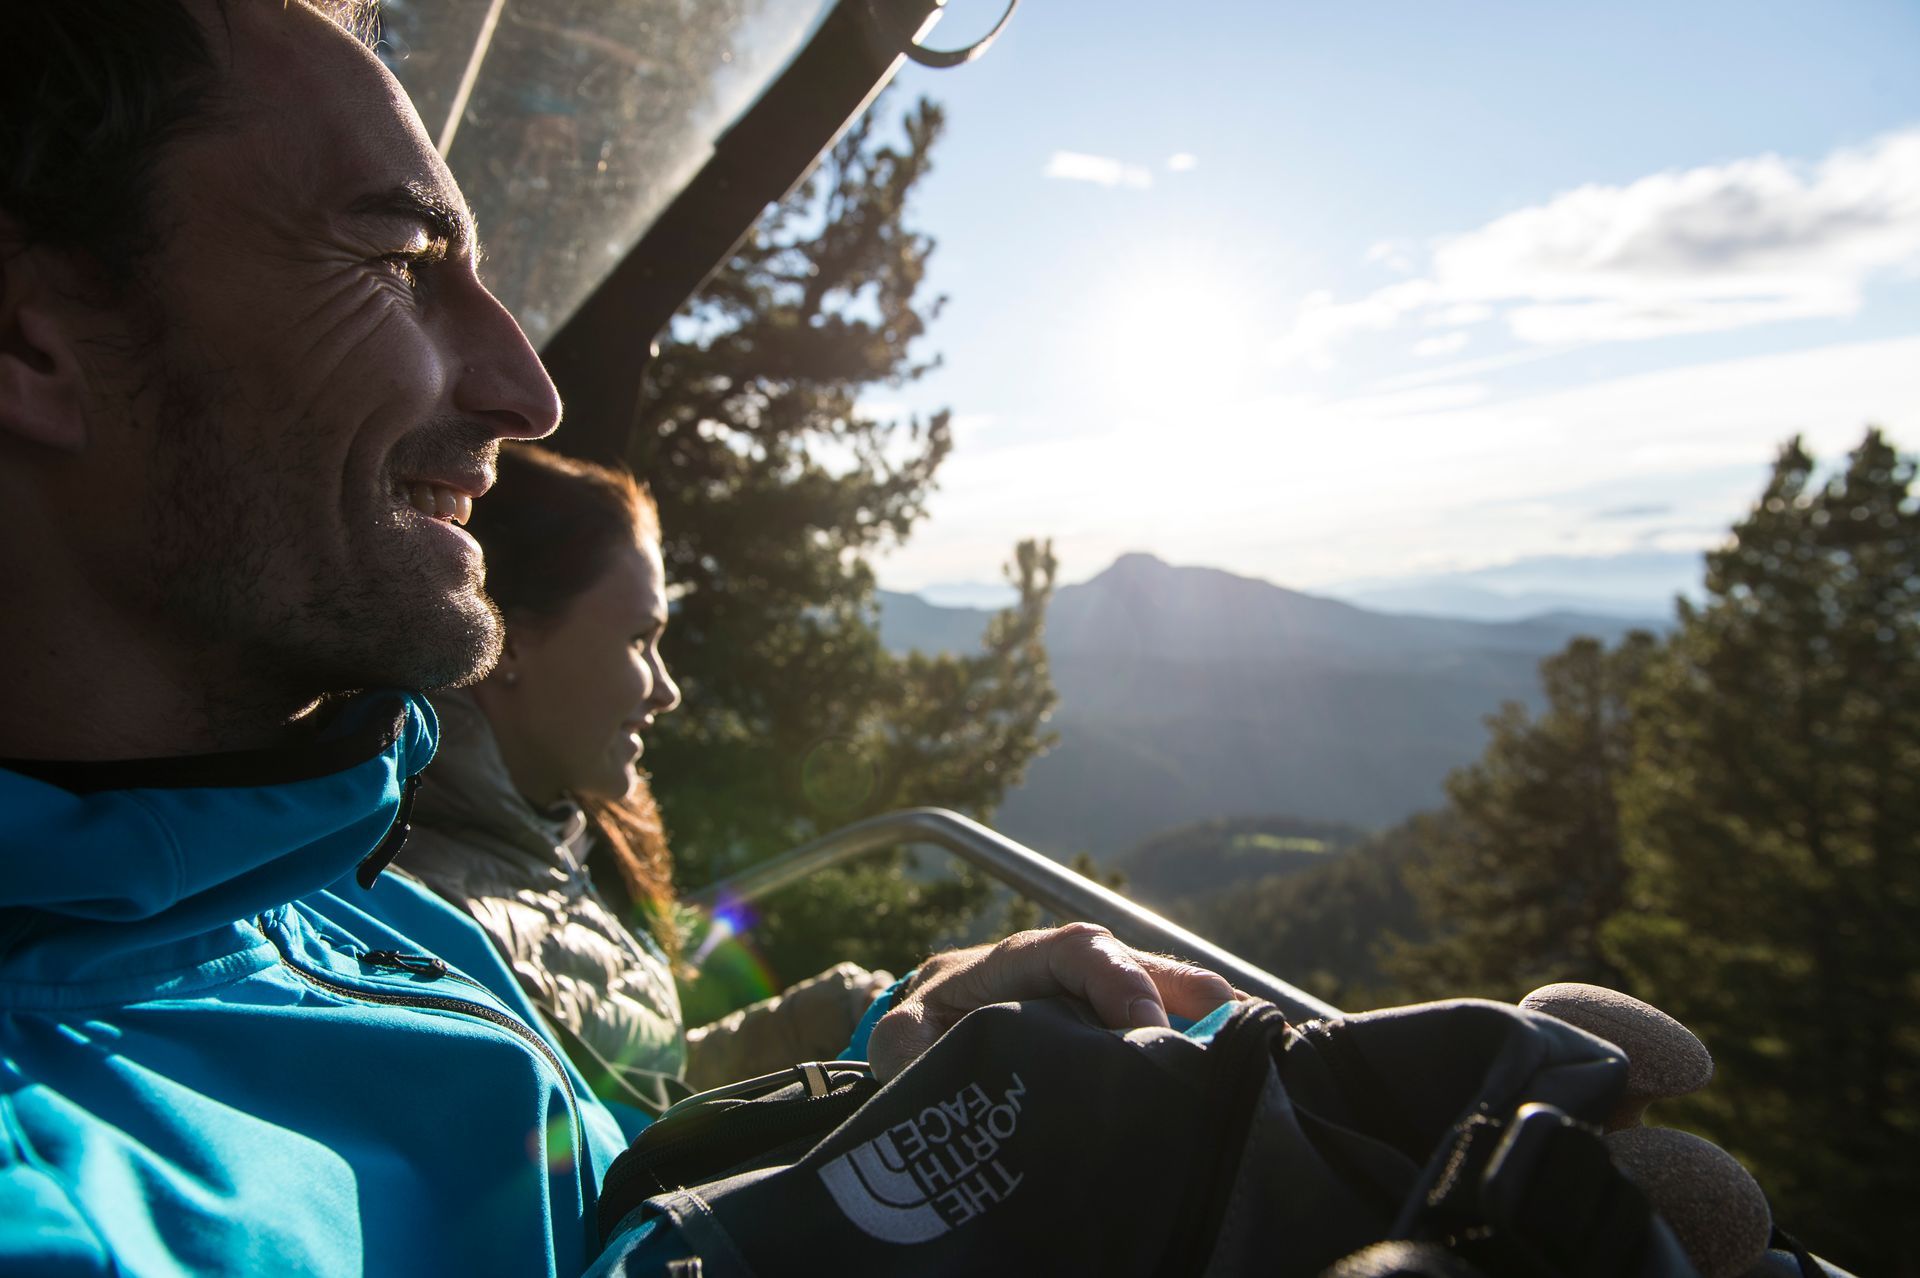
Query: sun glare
x=1172 y=328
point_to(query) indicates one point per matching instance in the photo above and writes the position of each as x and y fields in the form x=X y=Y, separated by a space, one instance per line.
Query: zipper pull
x=393 y=840
x=418 y=964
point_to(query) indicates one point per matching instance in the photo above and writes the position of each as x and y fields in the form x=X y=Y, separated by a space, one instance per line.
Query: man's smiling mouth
x=438 y=501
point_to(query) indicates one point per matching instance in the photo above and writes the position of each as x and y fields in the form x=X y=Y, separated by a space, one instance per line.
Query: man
x=250 y=383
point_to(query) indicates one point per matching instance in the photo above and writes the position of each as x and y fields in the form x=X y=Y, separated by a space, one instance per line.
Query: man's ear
x=42 y=381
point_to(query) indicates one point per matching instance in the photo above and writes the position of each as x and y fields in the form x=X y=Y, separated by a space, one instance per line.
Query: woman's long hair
x=549 y=531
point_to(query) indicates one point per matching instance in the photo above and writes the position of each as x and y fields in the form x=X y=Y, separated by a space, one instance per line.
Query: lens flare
x=725 y=955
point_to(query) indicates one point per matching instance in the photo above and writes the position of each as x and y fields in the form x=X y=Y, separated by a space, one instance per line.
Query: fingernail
x=1144 y=1011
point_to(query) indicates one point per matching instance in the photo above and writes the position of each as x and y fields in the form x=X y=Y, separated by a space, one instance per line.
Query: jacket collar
x=105 y=862
x=470 y=791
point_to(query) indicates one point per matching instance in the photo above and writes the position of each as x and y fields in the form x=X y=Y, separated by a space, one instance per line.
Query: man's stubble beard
x=303 y=599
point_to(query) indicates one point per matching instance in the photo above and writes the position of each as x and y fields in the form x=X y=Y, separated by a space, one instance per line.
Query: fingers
x=1126 y=988
x=1081 y=959
x=1090 y=962
x=899 y=1039
x=1186 y=989
x=949 y=986
x=1129 y=988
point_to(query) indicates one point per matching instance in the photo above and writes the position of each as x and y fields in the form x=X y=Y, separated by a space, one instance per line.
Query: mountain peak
x=1135 y=563
x=1179 y=584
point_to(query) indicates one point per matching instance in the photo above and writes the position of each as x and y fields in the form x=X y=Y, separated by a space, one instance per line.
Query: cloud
x=1395 y=255
x=1428 y=400
x=1644 y=510
x=1446 y=344
x=1322 y=322
x=1755 y=241
x=1460 y=316
x=1300 y=488
x=1753 y=226
x=1627 y=320
x=1101 y=170
x=1182 y=162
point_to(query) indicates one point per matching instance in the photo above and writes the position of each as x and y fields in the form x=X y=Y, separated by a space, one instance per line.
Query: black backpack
x=1032 y=1140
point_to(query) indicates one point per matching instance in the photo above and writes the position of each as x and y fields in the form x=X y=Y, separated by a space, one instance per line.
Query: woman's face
x=571 y=697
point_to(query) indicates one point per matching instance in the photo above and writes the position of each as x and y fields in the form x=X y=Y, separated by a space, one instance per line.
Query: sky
x=1337 y=295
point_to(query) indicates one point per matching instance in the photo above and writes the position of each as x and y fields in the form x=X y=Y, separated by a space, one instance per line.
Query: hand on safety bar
x=1127 y=988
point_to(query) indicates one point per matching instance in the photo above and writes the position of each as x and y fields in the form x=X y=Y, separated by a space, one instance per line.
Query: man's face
x=323 y=382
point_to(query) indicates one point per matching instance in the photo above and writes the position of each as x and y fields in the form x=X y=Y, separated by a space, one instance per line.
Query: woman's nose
x=666 y=693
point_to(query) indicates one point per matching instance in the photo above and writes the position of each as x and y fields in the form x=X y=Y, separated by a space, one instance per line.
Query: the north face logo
x=933 y=1172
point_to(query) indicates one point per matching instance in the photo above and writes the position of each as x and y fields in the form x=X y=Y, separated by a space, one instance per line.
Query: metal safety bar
x=1039 y=879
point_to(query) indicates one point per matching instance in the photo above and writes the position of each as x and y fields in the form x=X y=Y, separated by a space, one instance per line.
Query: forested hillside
x=1724 y=821
x=1312 y=903
x=1198 y=860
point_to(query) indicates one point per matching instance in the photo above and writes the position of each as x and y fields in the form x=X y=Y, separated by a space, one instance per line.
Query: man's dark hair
x=90 y=92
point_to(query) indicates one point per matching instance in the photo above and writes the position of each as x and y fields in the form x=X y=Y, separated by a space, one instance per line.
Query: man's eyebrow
x=414 y=202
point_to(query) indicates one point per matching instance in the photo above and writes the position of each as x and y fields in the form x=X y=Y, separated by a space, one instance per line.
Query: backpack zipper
x=1246 y=1045
x=744 y=1116
x=654 y=1157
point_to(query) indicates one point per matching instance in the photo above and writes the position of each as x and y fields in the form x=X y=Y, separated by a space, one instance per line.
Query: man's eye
x=408 y=266
x=405 y=267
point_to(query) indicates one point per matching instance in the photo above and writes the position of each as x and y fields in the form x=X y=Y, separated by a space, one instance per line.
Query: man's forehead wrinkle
x=321 y=94
x=321 y=122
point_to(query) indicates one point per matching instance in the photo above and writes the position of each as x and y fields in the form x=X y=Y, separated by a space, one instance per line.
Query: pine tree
x=1772 y=826
x=951 y=731
x=775 y=489
x=1516 y=883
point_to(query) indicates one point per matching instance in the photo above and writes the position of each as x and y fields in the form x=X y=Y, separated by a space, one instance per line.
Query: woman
x=538 y=777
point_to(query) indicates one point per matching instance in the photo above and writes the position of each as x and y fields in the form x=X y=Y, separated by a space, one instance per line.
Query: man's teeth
x=440 y=502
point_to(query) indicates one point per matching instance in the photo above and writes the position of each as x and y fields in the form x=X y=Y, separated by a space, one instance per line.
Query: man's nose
x=501 y=379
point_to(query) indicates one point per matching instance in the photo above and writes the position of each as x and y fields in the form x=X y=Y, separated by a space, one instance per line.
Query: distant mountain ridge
x=1142 y=603
x=1192 y=693
x=1638 y=583
x=1470 y=603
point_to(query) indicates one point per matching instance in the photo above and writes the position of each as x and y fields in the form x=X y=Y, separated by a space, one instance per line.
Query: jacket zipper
x=425 y=965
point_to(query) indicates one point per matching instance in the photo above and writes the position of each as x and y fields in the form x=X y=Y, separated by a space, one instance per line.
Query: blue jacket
x=220 y=1054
